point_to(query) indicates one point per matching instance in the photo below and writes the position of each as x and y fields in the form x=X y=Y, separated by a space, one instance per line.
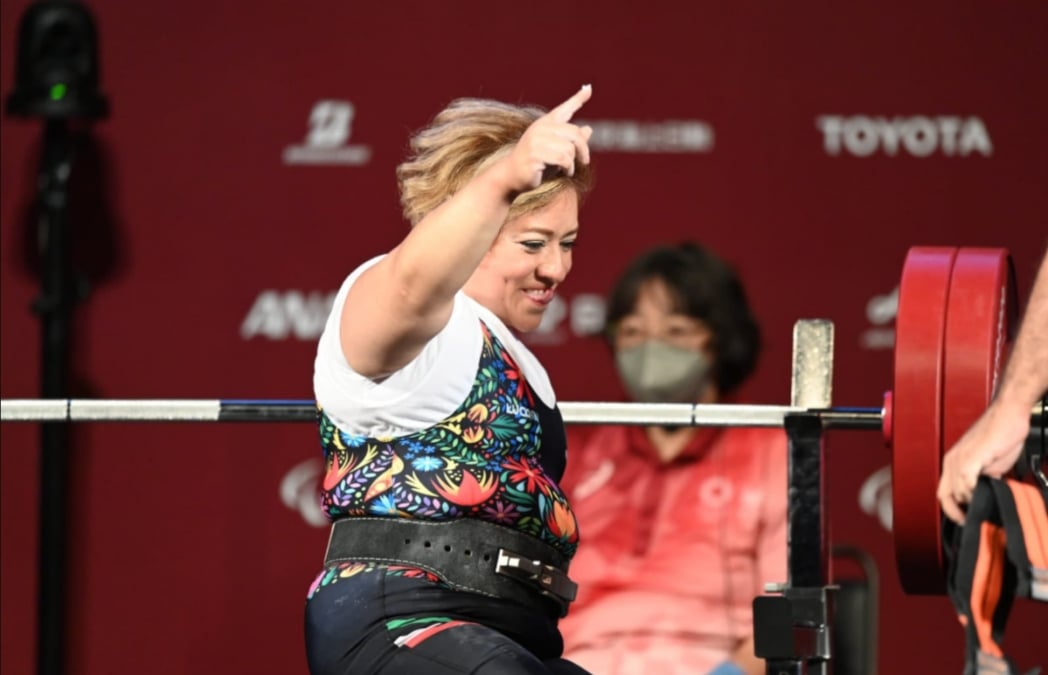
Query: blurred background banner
x=247 y=164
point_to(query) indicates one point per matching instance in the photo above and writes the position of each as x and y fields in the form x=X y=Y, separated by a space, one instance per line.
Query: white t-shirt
x=426 y=390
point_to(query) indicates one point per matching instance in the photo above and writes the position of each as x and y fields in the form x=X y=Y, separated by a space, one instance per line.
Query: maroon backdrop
x=248 y=165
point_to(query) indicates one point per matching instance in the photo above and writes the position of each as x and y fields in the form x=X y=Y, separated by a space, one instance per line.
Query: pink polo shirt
x=671 y=555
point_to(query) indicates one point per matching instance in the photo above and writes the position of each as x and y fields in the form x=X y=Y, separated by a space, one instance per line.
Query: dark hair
x=704 y=287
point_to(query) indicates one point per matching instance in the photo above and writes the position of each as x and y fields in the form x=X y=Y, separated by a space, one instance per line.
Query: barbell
x=956 y=319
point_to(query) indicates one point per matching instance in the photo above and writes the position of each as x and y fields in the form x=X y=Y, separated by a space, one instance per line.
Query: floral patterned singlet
x=498 y=457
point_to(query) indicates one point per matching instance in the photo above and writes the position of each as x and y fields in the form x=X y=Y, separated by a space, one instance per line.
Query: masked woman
x=683 y=525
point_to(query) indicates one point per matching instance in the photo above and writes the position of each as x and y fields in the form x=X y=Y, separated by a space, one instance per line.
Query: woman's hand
x=551 y=141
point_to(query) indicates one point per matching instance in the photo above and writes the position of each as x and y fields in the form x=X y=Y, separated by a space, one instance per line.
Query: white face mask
x=657 y=372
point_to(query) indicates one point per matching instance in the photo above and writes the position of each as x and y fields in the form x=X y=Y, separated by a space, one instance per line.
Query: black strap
x=989 y=565
x=468 y=554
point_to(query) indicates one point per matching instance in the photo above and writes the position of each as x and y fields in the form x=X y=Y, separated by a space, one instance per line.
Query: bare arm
x=401 y=302
x=994 y=442
x=404 y=300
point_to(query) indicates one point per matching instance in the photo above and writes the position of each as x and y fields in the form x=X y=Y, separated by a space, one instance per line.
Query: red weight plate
x=920 y=330
x=981 y=318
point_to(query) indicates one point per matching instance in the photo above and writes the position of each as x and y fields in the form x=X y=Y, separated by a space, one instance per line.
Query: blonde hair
x=463 y=139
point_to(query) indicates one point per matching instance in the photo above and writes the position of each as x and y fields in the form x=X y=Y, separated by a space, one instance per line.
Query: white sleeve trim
x=426 y=390
x=422 y=393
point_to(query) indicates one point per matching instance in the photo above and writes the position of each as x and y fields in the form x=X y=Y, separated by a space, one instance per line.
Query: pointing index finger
x=565 y=111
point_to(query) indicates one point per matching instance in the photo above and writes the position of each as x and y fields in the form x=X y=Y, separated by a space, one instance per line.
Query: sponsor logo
x=719 y=498
x=918 y=136
x=669 y=136
x=875 y=496
x=512 y=407
x=282 y=315
x=300 y=491
x=330 y=124
x=581 y=315
x=301 y=315
x=881 y=311
x=715 y=492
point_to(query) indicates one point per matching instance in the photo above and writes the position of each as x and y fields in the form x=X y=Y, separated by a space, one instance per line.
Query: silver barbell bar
x=811 y=388
x=811 y=392
x=574 y=412
x=304 y=410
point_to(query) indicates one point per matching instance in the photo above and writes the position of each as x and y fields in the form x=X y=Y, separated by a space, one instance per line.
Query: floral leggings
x=374 y=621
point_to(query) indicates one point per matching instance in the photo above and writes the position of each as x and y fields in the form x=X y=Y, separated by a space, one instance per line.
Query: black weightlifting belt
x=466 y=553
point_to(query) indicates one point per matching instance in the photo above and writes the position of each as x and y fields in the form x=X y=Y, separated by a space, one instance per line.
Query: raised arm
x=404 y=300
x=993 y=444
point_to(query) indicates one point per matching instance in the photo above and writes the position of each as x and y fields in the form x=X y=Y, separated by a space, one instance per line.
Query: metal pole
x=54 y=306
x=792 y=626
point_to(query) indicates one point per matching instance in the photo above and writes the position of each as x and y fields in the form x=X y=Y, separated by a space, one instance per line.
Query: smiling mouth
x=540 y=296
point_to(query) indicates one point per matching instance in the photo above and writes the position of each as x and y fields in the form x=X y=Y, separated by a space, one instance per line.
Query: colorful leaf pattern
x=482 y=461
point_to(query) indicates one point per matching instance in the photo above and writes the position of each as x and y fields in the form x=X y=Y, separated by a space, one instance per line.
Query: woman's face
x=529 y=259
x=655 y=318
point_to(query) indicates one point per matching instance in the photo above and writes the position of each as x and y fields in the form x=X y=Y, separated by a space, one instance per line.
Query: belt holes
x=427 y=544
x=407 y=541
x=468 y=552
x=487 y=557
x=447 y=548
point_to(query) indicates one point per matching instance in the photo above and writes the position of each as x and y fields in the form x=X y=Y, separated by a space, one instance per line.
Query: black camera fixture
x=56 y=69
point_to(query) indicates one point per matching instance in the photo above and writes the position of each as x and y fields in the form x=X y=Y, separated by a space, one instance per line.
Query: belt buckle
x=550 y=580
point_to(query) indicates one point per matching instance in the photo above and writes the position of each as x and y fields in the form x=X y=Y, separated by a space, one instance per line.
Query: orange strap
x=1000 y=554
